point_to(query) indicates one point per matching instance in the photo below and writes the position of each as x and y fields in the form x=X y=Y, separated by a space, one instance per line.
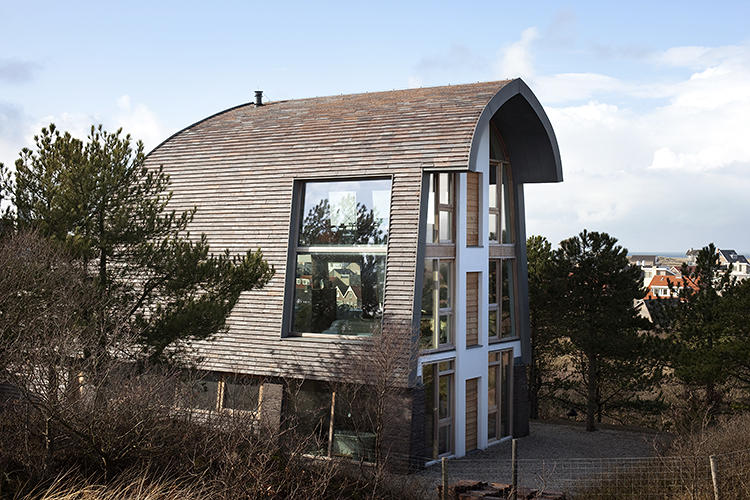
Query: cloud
x=139 y=121
x=17 y=72
x=515 y=60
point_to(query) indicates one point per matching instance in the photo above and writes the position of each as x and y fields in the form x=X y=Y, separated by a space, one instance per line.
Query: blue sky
x=650 y=100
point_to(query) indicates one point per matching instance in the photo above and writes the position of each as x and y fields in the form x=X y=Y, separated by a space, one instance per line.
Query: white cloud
x=515 y=60
x=139 y=121
x=658 y=176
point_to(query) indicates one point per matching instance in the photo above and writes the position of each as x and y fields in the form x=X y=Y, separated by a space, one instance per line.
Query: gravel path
x=552 y=456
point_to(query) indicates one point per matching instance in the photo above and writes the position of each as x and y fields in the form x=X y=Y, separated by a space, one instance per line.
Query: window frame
x=448 y=421
x=499 y=265
x=219 y=401
x=505 y=208
x=495 y=362
x=438 y=207
x=294 y=249
x=437 y=311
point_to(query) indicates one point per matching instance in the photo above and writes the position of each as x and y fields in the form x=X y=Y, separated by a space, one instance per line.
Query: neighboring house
x=403 y=209
x=659 y=287
x=740 y=265
x=650 y=267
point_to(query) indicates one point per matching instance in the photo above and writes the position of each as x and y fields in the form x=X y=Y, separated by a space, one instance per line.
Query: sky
x=650 y=101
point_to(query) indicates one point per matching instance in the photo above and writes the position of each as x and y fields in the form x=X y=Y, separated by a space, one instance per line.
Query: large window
x=440 y=209
x=500 y=203
x=332 y=422
x=215 y=392
x=340 y=256
x=502 y=303
x=436 y=325
x=499 y=394
x=438 y=387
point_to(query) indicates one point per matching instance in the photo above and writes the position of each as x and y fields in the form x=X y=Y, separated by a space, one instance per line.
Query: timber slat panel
x=471 y=413
x=472 y=309
x=238 y=168
x=472 y=208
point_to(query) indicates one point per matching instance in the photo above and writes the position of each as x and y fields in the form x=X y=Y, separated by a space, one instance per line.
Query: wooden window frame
x=434 y=238
x=495 y=362
x=449 y=421
x=495 y=307
x=219 y=400
x=437 y=311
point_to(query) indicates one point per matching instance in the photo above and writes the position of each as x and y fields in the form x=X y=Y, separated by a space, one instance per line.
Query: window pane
x=353 y=434
x=338 y=293
x=492 y=388
x=429 y=409
x=446 y=284
x=507 y=235
x=492 y=323
x=345 y=213
x=508 y=306
x=507 y=366
x=309 y=411
x=444 y=445
x=446 y=189
x=445 y=329
x=445 y=396
x=431 y=216
x=429 y=291
x=492 y=426
x=204 y=393
x=446 y=226
x=493 y=227
x=493 y=186
x=493 y=282
x=241 y=393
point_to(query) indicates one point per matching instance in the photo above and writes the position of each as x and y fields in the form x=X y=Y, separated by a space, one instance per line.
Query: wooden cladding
x=472 y=309
x=472 y=386
x=473 y=185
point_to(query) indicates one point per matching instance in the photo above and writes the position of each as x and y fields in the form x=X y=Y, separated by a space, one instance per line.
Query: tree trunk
x=592 y=391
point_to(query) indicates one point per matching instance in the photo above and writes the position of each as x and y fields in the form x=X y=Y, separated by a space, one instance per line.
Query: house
x=659 y=287
x=651 y=266
x=402 y=210
x=740 y=265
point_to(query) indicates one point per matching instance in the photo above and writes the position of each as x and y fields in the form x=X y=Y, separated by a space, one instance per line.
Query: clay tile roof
x=432 y=127
x=662 y=281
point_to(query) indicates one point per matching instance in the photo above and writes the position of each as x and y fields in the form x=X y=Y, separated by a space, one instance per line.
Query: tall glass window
x=502 y=303
x=500 y=203
x=436 y=325
x=341 y=253
x=439 y=403
x=499 y=394
x=440 y=208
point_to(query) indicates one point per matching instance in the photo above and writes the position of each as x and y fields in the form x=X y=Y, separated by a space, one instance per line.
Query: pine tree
x=112 y=213
x=594 y=289
x=539 y=258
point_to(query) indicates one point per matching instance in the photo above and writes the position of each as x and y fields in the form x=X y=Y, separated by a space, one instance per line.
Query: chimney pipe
x=259 y=98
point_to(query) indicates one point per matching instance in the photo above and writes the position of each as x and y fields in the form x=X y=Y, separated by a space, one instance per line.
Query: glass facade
x=440 y=209
x=499 y=395
x=437 y=379
x=501 y=299
x=341 y=255
x=500 y=204
x=436 y=325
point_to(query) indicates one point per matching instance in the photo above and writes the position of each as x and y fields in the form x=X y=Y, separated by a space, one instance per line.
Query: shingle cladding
x=238 y=168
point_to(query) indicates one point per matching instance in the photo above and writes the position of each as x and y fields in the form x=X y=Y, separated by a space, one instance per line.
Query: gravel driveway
x=552 y=457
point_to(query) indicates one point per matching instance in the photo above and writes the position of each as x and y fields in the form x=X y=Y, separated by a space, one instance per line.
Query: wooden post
x=715 y=476
x=444 y=480
x=514 y=470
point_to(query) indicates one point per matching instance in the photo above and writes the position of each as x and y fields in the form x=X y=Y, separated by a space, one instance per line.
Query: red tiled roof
x=664 y=281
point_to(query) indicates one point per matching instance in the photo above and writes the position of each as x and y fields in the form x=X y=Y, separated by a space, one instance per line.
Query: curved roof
x=433 y=128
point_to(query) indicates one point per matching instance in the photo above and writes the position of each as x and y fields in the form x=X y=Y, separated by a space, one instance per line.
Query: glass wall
x=341 y=255
x=440 y=209
x=439 y=403
x=501 y=298
x=499 y=394
x=500 y=204
x=436 y=325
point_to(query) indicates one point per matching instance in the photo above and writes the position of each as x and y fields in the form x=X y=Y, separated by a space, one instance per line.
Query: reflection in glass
x=437 y=301
x=506 y=229
x=446 y=229
x=345 y=213
x=446 y=189
x=428 y=379
x=338 y=293
x=508 y=304
x=241 y=393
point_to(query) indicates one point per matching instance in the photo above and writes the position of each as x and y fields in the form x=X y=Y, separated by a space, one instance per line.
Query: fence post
x=514 y=470
x=715 y=476
x=444 y=480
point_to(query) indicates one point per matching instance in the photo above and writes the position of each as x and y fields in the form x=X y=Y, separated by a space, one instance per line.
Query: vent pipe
x=259 y=98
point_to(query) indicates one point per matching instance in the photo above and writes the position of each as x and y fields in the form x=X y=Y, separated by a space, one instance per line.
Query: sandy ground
x=553 y=456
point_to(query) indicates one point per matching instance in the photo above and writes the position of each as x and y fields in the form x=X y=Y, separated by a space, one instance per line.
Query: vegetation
x=110 y=213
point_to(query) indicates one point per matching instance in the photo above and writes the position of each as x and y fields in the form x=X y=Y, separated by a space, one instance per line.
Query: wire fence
x=674 y=477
